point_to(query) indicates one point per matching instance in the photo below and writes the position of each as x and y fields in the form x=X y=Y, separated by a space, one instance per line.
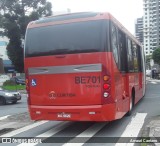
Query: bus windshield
x=71 y=38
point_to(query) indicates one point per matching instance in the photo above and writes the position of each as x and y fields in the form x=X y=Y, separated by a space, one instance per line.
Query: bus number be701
x=87 y=79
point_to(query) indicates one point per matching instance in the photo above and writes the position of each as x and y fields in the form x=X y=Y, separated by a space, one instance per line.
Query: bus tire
x=131 y=103
x=144 y=92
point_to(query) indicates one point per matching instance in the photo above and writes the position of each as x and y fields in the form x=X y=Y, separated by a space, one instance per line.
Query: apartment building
x=151 y=25
x=139 y=29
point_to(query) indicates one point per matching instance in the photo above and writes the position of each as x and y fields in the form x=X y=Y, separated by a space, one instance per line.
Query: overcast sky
x=126 y=11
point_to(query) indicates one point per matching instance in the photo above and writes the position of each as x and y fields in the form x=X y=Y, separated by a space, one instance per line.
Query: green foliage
x=156 y=56
x=14 y=18
x=15 y=87
x=148 y=58
x=9 y=83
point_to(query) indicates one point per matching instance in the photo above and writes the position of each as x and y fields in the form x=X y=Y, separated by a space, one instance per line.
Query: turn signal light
x=26 y=81
x=106 y=86
x=27 y=86
x=105 y=78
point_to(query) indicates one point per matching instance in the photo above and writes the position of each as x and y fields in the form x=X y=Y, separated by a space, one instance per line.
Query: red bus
x=82 y=67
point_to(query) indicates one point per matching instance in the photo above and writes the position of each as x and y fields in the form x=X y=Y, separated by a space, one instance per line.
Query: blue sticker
x=33 y=82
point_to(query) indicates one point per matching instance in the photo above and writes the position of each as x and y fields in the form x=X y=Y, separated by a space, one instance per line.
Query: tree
x=148 y=58
x=156 y=56
x=14 y=18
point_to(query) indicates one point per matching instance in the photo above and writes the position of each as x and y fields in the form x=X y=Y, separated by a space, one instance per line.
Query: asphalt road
x=12 y=109
x=143 y=112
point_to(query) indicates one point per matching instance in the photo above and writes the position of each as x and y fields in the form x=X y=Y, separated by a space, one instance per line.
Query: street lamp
x=15 y=80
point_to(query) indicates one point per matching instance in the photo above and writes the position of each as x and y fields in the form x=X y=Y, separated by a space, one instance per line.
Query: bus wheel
x=131 y=104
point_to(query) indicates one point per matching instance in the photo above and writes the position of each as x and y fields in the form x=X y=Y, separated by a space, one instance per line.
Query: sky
x=126 y=11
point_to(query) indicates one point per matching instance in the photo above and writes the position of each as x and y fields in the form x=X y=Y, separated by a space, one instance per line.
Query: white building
x=151 y=25
x=8 y=67
x=3 y=45
x=139 y=29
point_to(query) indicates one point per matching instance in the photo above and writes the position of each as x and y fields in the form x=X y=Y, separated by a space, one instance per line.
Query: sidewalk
x=22 y=91
x=150 y=79
x=152 y=128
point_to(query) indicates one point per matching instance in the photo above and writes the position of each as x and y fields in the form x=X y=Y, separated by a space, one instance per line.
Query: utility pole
x=1 y=66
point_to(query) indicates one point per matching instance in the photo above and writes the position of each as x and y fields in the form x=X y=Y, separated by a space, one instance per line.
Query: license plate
x=63 y=115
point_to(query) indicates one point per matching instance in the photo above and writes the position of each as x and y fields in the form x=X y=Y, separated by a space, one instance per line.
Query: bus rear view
x=68 y=65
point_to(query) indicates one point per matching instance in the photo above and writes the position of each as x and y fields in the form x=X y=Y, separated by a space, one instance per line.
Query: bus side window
x=115 y=44
x=122 y=51
x=130 y=56
x=140 y=61
x=135 y=57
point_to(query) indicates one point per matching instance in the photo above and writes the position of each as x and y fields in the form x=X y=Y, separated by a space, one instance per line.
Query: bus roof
x=77 y=17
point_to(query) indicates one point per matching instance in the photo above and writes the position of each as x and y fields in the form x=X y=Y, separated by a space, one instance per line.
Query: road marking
x=15 y=132
x=49 y=133
x=154 y=82
x=4 y=117
x=87 y=134
x=133 y=128
x=7 y=125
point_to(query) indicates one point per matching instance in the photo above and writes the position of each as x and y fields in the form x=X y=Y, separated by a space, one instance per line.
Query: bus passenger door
x=123 y=68
x=140 y=70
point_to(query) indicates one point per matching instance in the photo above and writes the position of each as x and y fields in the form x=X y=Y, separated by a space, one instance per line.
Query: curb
x=155 y=80
x=152 y=130
x=22 y=91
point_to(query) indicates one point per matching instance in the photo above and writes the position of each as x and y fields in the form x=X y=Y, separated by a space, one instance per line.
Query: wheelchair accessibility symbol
x=33 y=82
